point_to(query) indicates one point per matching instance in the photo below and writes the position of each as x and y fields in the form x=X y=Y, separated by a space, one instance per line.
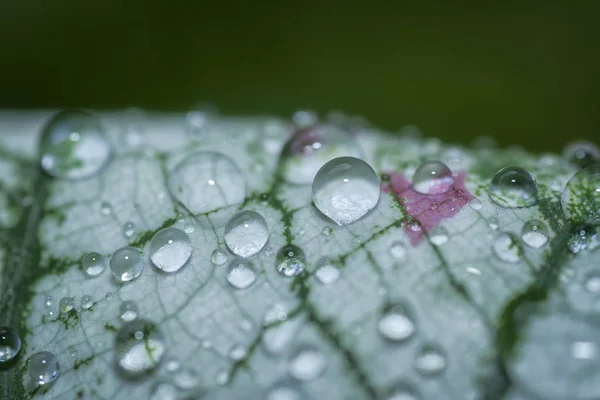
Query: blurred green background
x=524 y=72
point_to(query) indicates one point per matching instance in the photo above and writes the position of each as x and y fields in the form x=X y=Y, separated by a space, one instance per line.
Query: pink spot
x=427 y=209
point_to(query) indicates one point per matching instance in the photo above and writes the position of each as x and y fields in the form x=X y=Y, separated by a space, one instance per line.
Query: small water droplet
x=222 y=377
x=218 y=257
x=128 y=310
x=475 y=204
x=186 y=379
x=126 y=264
x=398 y=250
x=583 y=154
x=139 y=346
x=172 y=365
x=73 y=145
x=439 y=236
x=93 y=264
x=108 y=296
x=307 y=363
x=284 y=391
x=194 y=182
x=66 y=304
x=189 y=225
x=164 y=391
x=513 y=187
x=128 y=229
x=493 y=223
x=86 y=302
x=506 y=248
x=534 y=233
x=397 y=324
x=430 y=360
x=170 y=249
x=43 y=367
x=241 y=274
x=290 y=260
x=10 y=344
x=581 y=198
x=246 y=233
x=326 y=272
x=106 y=208
x=73 y=352
x=346 y=189
x=432 y=177
x=237 y=352
x=327 y=230
x=404 y=391
x=592 y=282
x=274 y=314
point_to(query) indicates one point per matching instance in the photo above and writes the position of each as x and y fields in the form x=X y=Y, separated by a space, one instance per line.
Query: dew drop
x=307 y=363
x=583 y=154
x=186 y=379
x=398 y=250
x=246 y=233
x=534 y=233
x=592 y=282
x=73 y=352
x=93 y=264
x=218 y=257
x=439 y=236
x=189 y=225
x=397 y=324
x=66 y=304
x=128 y=310
x=108 y=296
x=581 y=198
x=170 y=249
x=139 y=346
x=237 y=352
x=326 y=272
x=128 y=229
x=493 y=223
x=290 y=260
x=86 y=302
x=164 y=391
x=106 y=208
x=513 y=187
x=43 y=367
x=430 y=360
x=475 y=204
x=73 y=145
x=327 y=230
x=506 y=248
x=222 y=377
x=284 y=391
x=172 y=365
x=404 y=391
x=10 y=344
x=126 y=264
x=206 y=181
x=241 y=274
x=345 y=189
x=432 y=177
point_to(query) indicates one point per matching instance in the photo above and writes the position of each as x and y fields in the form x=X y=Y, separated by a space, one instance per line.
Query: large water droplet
x=86 y=302
x=513 y=187
x=73 y=145
x=10 y=344
x=506 y=248
x=218 y=257
x=241 y=273
x=43 y=367
x=206 y=181
x=326 y=272
x=534 y=233
x=430 y=360
x=128 y=310
x=170 y=249
x=139 y=347
x=66 y=304
x=397 y=324
x=432 y=177
x=581 y=198
x=290 y=260
x=309 y=148
x=307 y=363
x=93 y=264
x=582 y=154
x=126 y=264
x=345 y=189
x=246 y=233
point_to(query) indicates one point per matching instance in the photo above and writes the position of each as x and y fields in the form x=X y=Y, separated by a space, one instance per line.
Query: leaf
x=438 y=296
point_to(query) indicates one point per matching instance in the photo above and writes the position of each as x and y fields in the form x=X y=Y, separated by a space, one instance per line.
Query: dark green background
x=523 y=72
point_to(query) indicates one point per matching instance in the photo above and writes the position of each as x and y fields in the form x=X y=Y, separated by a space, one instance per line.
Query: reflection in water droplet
x=218 y=257
x=290 y=260
x=513 y=187
x=439 y=236
x=398 y=250
x=307 y=363
x=66 y=304
x=326 y=272
x=206 y=181
x=139 y=347
x=126 y=264
x=432 y=177
x=86 y=302
x=10 y=344
x=397 y=324
x=345 y=189
x=534 y=233
x=73 y=145
x=246 y=233
x=43 y=367
x=129 y=229
x=93 y=264
x=170 y=249
x=506 y=248
x=241 y=273
x=581 y=198
x=128 y=310
x=430 y=360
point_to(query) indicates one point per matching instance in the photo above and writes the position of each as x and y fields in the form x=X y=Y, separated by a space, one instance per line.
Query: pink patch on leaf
x=427 y=209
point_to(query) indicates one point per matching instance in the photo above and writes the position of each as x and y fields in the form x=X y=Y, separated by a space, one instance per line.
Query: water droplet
x=73 y=145
x=164 y=391
x=93 y=264
x=397 y=324
x=432 y=177
x=43 y=367
x=582 y=154
x=581 y=198
x=139 y=347
x=218 y=257
x=307 y=363
x=72 y=352
x=108 y=296
x=398 y=250
x=128 y=310
x=86 y=302
x=172 y=365
x=475 y=204
x=66 y=304
x=439 y=236
x=345 y=189
x=170 y=249
x=506 y=248
x=222 y=377
x=309 y=148
x=404 y=391
x=129 y=229
x=493 y=223
x=592 y=282
x=241 y=273
x=534 y=233
x=326 y=272
x=189 y=225
x=246 y=233
x=237 y=352
x=10 y=344
x=290 y=260
x=430 y=360
x=106 y=208
x=513 y=187
x=126 y=264
x=284 y=391
x=327 y=230
x=304 y=118
x=207 y=181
